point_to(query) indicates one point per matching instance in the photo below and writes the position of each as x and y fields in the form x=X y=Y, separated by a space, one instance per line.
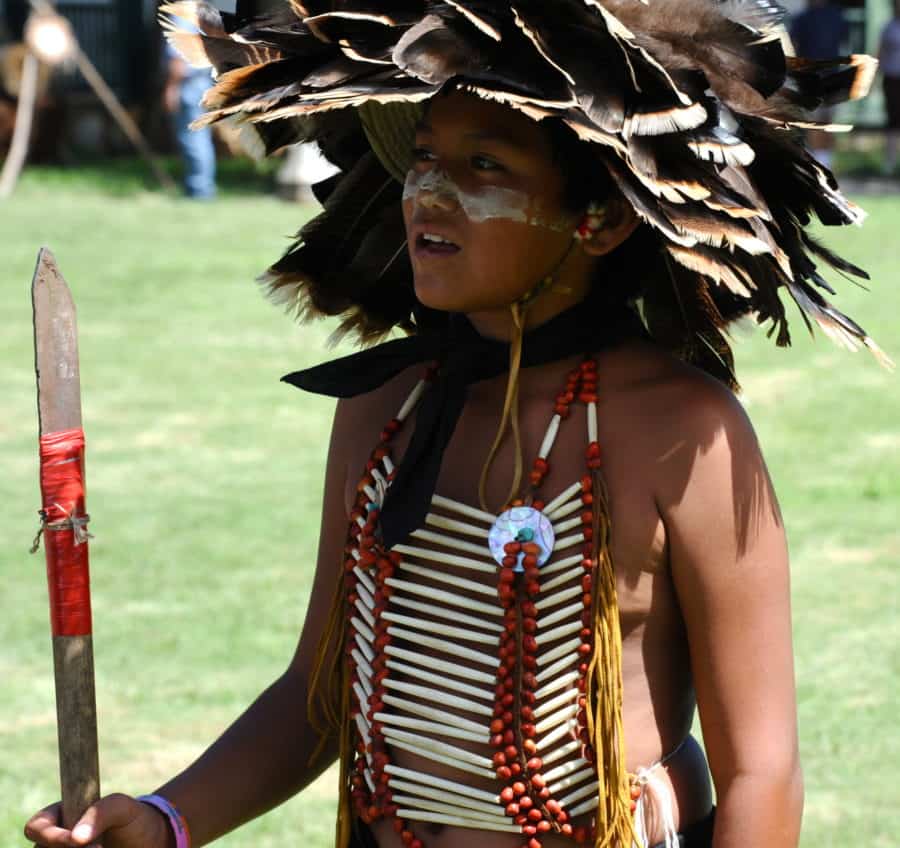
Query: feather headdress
x=692 y=105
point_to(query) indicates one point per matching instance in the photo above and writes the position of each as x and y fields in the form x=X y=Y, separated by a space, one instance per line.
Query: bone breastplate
x=468 y=647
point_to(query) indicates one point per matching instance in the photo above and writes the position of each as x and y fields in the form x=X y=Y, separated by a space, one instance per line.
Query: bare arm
x=263 y=758
x=730 y=567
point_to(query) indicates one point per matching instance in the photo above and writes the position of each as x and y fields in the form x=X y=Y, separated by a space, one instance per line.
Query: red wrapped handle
x=65 y=532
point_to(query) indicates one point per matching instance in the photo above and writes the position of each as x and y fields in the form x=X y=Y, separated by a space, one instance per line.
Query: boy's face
x=484 y=180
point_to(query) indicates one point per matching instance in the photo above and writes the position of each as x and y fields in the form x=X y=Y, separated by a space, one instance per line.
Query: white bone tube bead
x=565 y=509
x=365 y=595
x=592 y=421
x=436 y=715
x=453 y=615
x=556 y=718
x=388 y=465
x=441 y=747
x=367 y=774
x=568 y=728
x=362 y=629
x=371 y=494
x=561 y=579
x=557 y=683
x=560 y=565
x=447 y=796
x=470 y=674
x=458 y=526
x=557 y=701
x=440 y=629
x=561 y=751
x=568 y=541
x=356 y=554
x=447 y=559
x=441 y=645
x=548 y=601
x=463 y=509
x=362 y=666
x=441 y=698
x=447 y=597
x=567 y=525
x=380 y=479
x=452 y=580
x=363 y=727
x=420 y=751
x=447 y=682
x=552 y=671
x=550 y=437
x=563 y=630
x=459 y=821
x=586 y=772
x=366 y=685
x=442 y=783
x=365 y=612
x=563 y=613
x=584 y=807
x=562 y=497
x=365 y=579
x=430 y=726
x=560 y=650
x=364 y=646
x=452 y=542
x=362 y=696
x=361 y=521
x=442 y=806
x=414 y=397
x=584 y=792
x=564 y=770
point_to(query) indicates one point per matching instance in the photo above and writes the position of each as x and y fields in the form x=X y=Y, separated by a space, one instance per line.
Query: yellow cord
x=603 y=683
x=510 y=415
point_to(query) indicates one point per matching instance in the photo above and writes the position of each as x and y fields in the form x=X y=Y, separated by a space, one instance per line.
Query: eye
x=422 y=154
x=485 y=163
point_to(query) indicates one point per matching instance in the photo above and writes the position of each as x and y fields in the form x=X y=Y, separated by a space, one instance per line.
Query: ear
x=620 y=222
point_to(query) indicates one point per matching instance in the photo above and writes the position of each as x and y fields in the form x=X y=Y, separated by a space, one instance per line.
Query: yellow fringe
x=603 y=686
x=328 y=705
x=510 y=416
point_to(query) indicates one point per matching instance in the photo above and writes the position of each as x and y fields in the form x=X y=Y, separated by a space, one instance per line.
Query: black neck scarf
x=463 y=357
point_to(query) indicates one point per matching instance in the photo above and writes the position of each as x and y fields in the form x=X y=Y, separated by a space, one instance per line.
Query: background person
x=821 y=32
x=184 y=89
x=889 y=56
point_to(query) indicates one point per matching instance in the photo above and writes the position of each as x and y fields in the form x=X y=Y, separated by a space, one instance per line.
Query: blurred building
x=121 y=38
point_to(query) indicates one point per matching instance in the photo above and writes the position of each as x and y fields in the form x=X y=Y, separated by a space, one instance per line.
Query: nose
x=437 y=191
x=441 y=200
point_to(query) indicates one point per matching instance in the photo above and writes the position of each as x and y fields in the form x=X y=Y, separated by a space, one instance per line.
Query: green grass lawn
x=205 y=486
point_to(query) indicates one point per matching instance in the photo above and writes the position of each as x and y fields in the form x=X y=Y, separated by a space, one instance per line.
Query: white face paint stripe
x=490 y=203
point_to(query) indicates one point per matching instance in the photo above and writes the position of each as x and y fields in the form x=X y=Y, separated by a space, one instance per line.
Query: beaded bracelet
x=176 y=820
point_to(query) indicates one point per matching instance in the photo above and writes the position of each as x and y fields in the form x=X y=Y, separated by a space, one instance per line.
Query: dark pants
x=697 y=835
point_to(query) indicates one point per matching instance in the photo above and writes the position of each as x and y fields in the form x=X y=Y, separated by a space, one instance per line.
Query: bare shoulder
x=359 y=421
x=683 y=422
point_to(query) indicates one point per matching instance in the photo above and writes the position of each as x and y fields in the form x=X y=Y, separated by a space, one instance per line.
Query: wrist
x=172 y=825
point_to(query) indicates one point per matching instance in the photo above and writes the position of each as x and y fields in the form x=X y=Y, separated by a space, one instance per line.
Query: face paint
x=487 y=204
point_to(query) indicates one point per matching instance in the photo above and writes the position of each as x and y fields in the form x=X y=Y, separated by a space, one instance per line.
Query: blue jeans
x=196 y=146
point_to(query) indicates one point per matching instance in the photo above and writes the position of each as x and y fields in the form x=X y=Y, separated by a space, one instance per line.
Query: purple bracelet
x=176 y=820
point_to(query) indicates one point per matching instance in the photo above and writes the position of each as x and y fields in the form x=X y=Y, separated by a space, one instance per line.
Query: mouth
x=429 y=244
